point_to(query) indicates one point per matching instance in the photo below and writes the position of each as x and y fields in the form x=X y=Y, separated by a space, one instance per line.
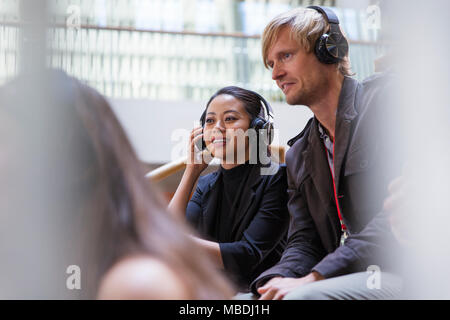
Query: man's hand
x=277 y=288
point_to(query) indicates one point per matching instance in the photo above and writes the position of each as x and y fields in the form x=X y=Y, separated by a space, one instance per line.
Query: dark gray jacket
x=365 y=162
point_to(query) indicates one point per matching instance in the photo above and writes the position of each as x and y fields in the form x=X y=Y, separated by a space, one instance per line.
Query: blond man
x=337 y=176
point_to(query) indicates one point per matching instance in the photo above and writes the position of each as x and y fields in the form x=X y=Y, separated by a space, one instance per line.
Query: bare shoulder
x=141 y=277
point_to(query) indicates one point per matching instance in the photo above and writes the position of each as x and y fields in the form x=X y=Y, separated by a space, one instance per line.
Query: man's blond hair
x=306 y=26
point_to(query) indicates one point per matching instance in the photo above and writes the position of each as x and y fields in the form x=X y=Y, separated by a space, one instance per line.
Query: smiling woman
x=240 y=212
x=225 y=118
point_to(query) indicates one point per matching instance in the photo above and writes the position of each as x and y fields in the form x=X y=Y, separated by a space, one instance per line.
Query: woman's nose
x=219 y=125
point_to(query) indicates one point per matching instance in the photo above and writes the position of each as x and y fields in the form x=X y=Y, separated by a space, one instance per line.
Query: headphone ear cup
x=257 y=123
x=265 y=126
x=269 y=129
x=322 y=52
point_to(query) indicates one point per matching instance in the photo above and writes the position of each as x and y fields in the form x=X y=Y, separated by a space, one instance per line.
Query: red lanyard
x=343 y=226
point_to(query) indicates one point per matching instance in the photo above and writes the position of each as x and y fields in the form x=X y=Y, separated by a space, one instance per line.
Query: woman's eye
x=209 y=120
x=230 y=118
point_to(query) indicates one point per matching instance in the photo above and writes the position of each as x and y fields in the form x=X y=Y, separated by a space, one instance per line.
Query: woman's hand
x=198 y=159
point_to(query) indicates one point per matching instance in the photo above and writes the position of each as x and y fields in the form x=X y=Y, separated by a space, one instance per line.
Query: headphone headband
x=327 y=13
x=266 y=108
x=268 y=112
x=264 y=122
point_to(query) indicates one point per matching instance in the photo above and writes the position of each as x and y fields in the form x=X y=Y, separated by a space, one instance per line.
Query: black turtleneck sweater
x=232 y=182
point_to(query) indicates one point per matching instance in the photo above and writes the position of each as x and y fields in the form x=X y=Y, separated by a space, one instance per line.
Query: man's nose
x=277 y=72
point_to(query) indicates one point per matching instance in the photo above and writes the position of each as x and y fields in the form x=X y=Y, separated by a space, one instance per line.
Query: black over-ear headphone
x=263 y=123
x=331 y=47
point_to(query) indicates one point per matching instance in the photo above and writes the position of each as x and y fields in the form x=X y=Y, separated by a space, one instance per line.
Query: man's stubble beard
x=308 y=96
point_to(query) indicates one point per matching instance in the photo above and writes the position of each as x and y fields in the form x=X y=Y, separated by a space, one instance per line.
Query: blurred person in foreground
x=98 y=212
x=338 y=167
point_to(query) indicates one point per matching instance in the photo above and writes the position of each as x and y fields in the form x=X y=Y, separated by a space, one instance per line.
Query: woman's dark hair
x=114 y=210
x=252 y=102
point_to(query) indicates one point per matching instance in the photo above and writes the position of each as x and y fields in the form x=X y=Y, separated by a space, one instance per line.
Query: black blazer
x=259 y=226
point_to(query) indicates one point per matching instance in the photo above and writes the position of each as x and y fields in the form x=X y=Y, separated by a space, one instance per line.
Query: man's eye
x=287 y=55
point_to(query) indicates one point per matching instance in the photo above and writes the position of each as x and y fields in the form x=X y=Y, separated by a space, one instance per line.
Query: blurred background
x=173 y=50
x=159 y=61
